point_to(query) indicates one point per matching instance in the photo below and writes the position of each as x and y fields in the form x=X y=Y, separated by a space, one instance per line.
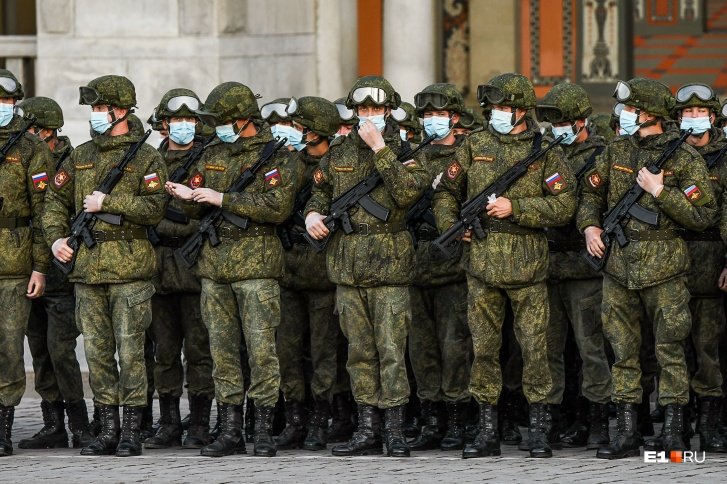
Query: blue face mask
x=570 y=131
x=378 y=121
x=725 y=130
x=501 y=121
x=295 y=137
x=276 y=131
x=181 y=132
x=226 y=133
x=699 y=125
x=404 y=135
x=437 y=125
x=100 y=121
x=6 y=113
x=628 y=122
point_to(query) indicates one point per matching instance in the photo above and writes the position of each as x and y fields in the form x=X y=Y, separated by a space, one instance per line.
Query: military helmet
x=178 y=102
x=47 y=112
x=117 y=91
x=407 y=117
x=647 y=94
x=274 y=111
x=695 y=95
x=346 y=115
x=721 y=115
x=315 y=113
x=154 y=121
x=470 y=119
x=564 y=102
x=9 y=85
x=514 y=90
x=439 y=97
x=373 y=90
x=230 y=101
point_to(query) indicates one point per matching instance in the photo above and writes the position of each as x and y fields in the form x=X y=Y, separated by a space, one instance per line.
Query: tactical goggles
x=622 y=93
x=176 y=103
x=278 y=108
x=549 y=113
x=376 y=95
x=9 y=85
x=618 y=108
x=292 y=107
x=345 y=113
x=435 y=100
x=399 y=114
x=487 y=94
x=703 y=92
x=724 y=110
x=88 y=95
x=19 y=111
x=466 y=119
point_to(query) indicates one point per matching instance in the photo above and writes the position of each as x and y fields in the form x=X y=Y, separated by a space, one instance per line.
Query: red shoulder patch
x=61 y=178
x=453 y=170
x=318 y=176
x=196 y=181
x=595 y=179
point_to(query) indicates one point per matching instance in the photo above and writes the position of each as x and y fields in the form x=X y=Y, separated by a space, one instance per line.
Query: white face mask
x=501 y=121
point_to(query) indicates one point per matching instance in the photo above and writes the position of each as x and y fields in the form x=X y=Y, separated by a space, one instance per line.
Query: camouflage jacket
x=139 y=197
x=266 y=202
x=361 y=259
x=686 y=201
x=566 y=243
x=544 y=197
x=23 y=181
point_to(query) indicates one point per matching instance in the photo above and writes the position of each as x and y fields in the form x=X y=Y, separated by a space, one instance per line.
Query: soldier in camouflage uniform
x=410 y=128
x=24 y=255
x=113 y=278
x=307 y=296
x=574 y=288
x=372 y=266
x=511 y=262
x=274 y=114
x=439 y=338
x=240 y=291
x=348 y=118
x=176 y=317
x=647 y=273
x=52 y=329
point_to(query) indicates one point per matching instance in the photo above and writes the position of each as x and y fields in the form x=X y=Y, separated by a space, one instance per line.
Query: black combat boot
x=710 y=440
x=413 y=422
x=487 y=441
x=293 y=434
x=53 y=434
x=342 y=427
x=627 y=441
x=78 y=424
x=576 y=435
x=263 y=439
x=365 y=440
x=509 y=429
x=432 y=431
x=455 y=436
x=552 y=434
x=7 y=414
x=646 y=424
x=598 y=436
x=317 y=427
x=230 y=439
x=148 y=428
x=541 y=427
x=672 y=434
x=198 y=431
x=657 y=415
x=130 y=439
x=95 y=425
x=108 y=436
x=170 y=425
x=396 y=445
x=249 y=421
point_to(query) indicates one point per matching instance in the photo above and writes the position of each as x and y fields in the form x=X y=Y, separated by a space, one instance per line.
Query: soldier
x=574 y=288
x=113 y=278
x=52 y=329
x=469 y=120
x=410 y=128
x=438 y=340
x=176 y=317
x=348 y=118
x=240 y=291
x=307 y=296
x=648 y=272
x=274 y=114
x=372 y=266
x=511 y=262
x=24 y=255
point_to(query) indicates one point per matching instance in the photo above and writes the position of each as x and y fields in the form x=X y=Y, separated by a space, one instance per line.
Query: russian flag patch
x=555 y=183
x=272 y=178
x=693 y=193
x=152 y=182
x=40 y=181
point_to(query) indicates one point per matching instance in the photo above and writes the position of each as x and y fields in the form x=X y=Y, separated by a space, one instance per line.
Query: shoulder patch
x=152 y=182
x=273 y=178
x=61 y=179
x=485 y=158
x=83 y=166
x=40 y=181
x=555 y=183
x=694 y=195
x=595 y=180
x=196 y=180
x=453 y=170
x=624 y=169
x=318 y=176
x=214 y=167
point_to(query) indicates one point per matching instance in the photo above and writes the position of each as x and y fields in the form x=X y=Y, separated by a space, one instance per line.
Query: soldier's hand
x=207 y=195
x=177 y=190
x=594 y=244
x=315 y=226
x=61 y=250
x=92 y=203
x=466 y=236
x=651 y=183
x=500 y=208
x=36 y=285
x=722 y=282
x=371 y=136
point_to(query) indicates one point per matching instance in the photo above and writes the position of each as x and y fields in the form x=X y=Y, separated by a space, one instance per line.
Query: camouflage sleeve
x=450 y=190
x=558 y=205
x=146 y=206
x=692 y=203
x=41 y=162
x=405 y=182
x=594 y=193
x=322 y=192
x=722 y=223
x=59 y=205
x=275 y=202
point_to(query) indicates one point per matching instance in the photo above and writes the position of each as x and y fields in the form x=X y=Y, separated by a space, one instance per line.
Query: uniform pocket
x=589 y=308
x=673 y=323
x=140 y=296
x=268 y=309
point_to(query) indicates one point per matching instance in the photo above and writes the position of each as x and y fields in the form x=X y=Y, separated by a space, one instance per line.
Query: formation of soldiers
x=388 y=276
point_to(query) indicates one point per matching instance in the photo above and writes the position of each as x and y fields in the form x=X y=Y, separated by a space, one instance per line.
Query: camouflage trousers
x=114 y=318
x=578 y=302
x=708 y=321
x=52 y=333
x=307 y=313
x=667 y=309
x=177 y=324
x=485 y=316
x=440 y=346
x=247 y=309
x=14 y=312
x=375 y=320
x=343 y=380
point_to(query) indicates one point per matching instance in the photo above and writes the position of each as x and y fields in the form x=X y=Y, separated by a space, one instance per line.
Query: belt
x=708 y=235
x=236 y=233
x=566 y=245
x=492 y=226
x=123 y=234
x=376 y=229
x=14 y=222
x=635 y=235
x=173 y=242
